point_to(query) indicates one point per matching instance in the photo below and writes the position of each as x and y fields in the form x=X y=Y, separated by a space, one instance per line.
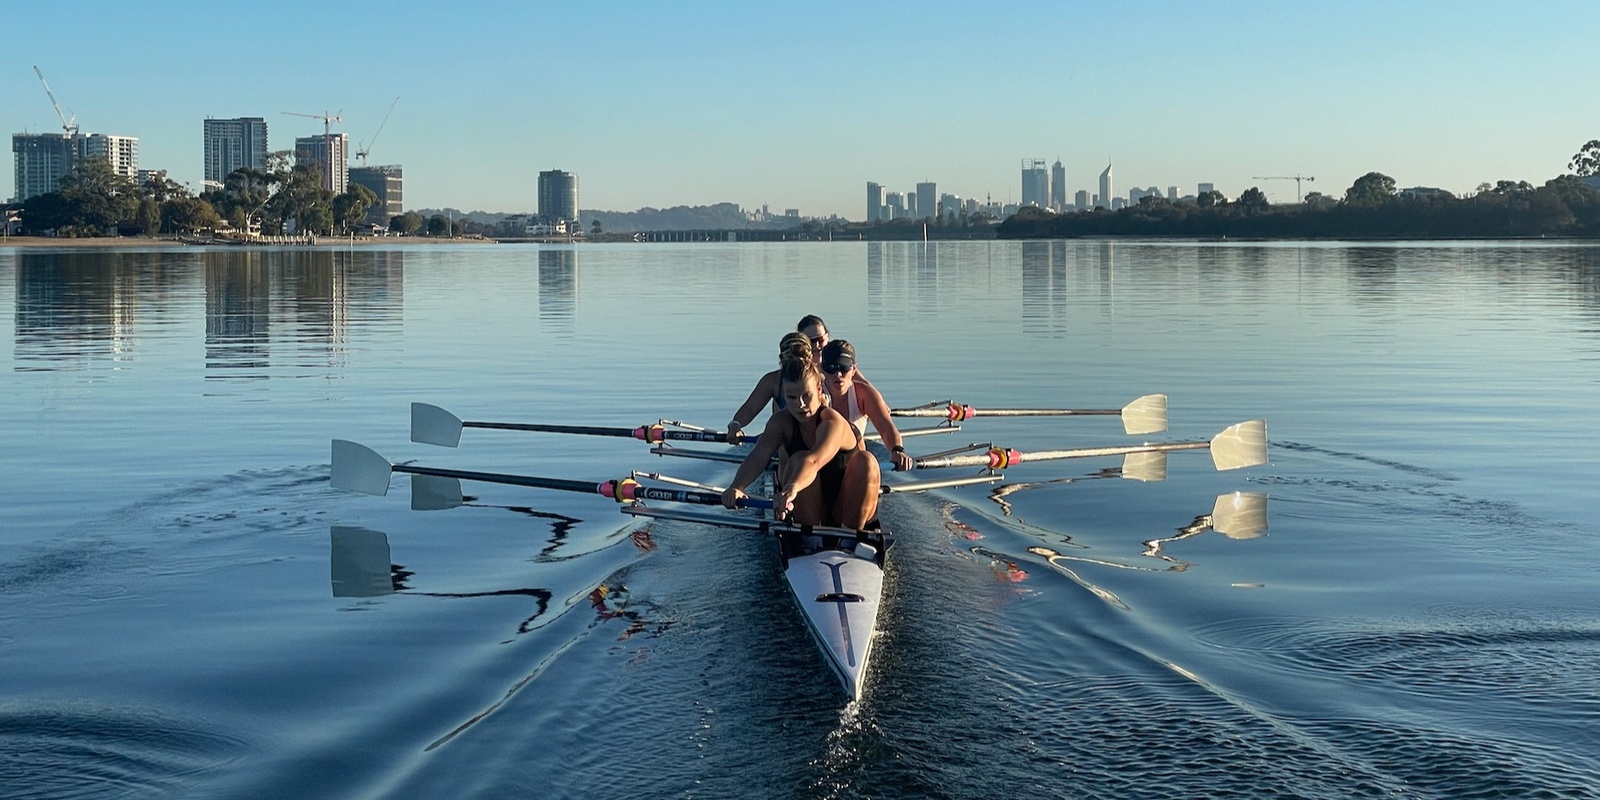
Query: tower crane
x=1296 y=178
x=365 y=148
x=327 y=119
x=68 y=125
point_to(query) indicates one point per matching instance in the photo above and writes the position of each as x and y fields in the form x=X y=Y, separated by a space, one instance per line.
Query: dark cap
x=838 y=354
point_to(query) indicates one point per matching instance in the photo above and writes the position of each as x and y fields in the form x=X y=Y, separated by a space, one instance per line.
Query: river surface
x=1408 y=609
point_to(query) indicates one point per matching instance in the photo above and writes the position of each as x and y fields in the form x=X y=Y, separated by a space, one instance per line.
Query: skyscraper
x=1082 y=199
x=43 y=159
x=1105 y=188
x=330 y=152
x=1035 y=183
x=234 y=144
x=558 y=196
x=385 y=184
x=927 y=199
x=1058 y=187
x=874 y=202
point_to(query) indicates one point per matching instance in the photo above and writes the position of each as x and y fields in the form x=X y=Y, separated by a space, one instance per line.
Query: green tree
x=595 y=228
x=1587 y=160
x=1253 y=200
x=351 y=207
x=1371 y=189
x=188 y=214
x=1210 y=199
x=438 y=225
x=1317 y=201
x=406 y=224
x=99 y=198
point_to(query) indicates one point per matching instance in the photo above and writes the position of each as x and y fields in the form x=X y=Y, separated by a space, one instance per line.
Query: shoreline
x=141 y=242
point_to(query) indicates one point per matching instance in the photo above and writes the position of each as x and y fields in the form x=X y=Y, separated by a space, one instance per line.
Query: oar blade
x=1147 y=414
x=1241 y=445
x=358 y=468
x=1146 y=467
x=1240 y=515
x=431 y=424
x=359 y=562
x=433 y=493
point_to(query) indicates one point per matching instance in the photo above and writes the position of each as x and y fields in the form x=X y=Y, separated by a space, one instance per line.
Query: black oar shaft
x=628 y=490
x=653 y=433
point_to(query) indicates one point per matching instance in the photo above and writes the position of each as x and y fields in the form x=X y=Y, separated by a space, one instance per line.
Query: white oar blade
x=1240 y=515
x=1148 y=414
x=431 y=424
x=1147 y=467
x=358 y=468
x=360 y=562
x=433 y=493
x=1242 y=445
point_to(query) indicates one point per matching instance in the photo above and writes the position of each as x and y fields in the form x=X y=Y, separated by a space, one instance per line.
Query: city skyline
x=729 y=103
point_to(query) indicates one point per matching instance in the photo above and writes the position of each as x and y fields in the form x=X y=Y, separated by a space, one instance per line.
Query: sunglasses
x=837 y=369
x=819 y=341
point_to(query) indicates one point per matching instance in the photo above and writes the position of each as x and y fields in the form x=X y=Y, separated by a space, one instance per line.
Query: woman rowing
x=825 y=475
x=812 y=331
x=858 y=401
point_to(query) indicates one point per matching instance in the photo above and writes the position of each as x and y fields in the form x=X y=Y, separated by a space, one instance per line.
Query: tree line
x=94 y=200
x=1371 y=208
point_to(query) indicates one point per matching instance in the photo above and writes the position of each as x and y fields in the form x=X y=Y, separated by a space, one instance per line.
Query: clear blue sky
x=660 y=104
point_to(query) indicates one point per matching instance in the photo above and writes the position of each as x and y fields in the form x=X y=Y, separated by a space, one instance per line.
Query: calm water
x=1419 y=619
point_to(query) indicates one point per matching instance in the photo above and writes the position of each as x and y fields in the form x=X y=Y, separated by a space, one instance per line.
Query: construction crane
x=365 y=148
x=327 y=119
x=1296 y=178
x=68 y=125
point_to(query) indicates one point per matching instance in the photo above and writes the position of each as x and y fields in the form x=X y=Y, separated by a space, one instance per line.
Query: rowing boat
x=837 y=581
x=837 y=586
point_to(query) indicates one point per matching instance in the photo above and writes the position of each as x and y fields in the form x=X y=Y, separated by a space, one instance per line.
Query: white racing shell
x=839 y=593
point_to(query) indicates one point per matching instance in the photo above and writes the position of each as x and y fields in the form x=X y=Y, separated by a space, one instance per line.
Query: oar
x=431 y=424
x=1241 y=445
x=1147 y=414
x=358 y=468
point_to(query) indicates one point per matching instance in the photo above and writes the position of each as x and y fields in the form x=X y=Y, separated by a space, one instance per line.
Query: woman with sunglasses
x=813 y=332
x=858 y=401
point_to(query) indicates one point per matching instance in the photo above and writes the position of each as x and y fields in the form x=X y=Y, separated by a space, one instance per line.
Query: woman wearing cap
x=858 y=401
x=826 y=476
x=814 y=333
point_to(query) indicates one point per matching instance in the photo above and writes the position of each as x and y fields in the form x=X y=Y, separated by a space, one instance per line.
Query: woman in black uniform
x=825 y=474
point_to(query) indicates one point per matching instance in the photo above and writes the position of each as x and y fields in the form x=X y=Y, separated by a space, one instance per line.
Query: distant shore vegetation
x=1565 y=206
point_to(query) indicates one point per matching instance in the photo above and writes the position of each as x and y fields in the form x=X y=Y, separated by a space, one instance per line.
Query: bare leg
x=858 y=492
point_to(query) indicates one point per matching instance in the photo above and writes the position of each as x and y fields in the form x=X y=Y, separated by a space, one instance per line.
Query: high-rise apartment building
x=1106 y=188
x=330 y=152
x=1204 y=187
x=385 y=184
x=232 y=144
x=1035 y=183
x=558 y=196
x=874 y=202
x=927 y=199
x=1058 y=187
x=43 y=159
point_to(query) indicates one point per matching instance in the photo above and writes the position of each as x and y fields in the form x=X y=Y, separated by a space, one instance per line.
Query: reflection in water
x=903 y=281
x=558 y=288
x=76 y=308
x=267 y=311
x=361 y=566
x=1044 y=287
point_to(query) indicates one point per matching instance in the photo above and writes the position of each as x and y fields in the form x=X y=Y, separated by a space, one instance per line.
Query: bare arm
x=766 y=389
x=878 y=411
x=755 y=463
x=833 y=434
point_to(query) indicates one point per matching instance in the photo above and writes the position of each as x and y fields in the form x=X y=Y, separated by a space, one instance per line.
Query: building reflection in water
x=267 y=312
x=558 y=289
x=290 y=313
x=903 y=281
x=1044 y=287
x=74 y=309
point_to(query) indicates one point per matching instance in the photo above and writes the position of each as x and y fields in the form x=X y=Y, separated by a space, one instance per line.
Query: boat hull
x=839 y=593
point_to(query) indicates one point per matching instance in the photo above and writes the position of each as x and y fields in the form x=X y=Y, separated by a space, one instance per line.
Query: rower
x=826 y=476
x=850 y=394
x=814 y=331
